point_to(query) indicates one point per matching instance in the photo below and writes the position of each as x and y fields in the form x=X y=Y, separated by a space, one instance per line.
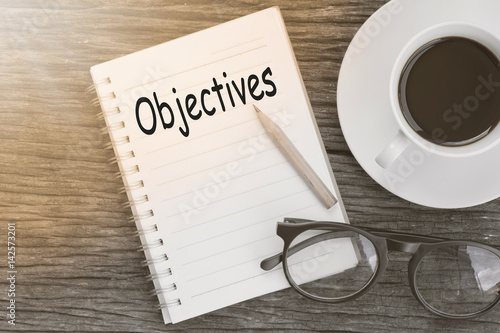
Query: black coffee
x=449 y=91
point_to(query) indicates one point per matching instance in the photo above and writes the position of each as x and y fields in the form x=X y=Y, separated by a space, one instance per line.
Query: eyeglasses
x=336 y=262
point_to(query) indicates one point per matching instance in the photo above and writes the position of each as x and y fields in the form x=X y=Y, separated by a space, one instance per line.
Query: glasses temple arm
x=404 y=237
x=271 y=262
x=394 y=235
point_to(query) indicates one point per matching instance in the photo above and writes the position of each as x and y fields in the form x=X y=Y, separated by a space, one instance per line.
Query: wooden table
x=76 y=259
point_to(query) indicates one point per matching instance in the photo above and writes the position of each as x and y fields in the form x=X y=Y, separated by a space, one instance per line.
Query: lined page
x=214 y=180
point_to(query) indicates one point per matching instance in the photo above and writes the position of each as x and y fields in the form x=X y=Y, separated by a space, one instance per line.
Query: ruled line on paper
x=217 y=130
x=235 y=282
x=238 y=45
x=266 y=62
x=253 y=224
x=245 y=192
x=198 y=67
x=232 y=266
x=206 y=170
x=232 y=178
x=258 y=259
x=198 y=137
x=225 y=251
x=204 y=83
x=209 y=152
x=249 y=244
x=198 y=155
x=233 y=213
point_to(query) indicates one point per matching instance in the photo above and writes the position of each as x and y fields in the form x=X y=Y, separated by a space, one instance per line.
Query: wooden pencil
x=297 y=159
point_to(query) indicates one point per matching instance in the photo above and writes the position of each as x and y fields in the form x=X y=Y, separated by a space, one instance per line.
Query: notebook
x=205 y=184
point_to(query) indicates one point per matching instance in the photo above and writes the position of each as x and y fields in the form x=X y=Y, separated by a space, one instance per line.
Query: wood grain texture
x=78 y=268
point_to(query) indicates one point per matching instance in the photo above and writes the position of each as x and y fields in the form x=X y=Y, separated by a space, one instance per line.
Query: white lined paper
x=217 y=194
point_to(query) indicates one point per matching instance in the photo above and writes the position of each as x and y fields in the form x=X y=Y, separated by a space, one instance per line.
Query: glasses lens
x=331 y=264
x=459 y=280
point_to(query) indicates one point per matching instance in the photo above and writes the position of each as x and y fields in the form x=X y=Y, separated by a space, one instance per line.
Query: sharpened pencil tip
x=256 y=108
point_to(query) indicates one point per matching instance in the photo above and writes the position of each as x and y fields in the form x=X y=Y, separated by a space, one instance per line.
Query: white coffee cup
x=406 y=134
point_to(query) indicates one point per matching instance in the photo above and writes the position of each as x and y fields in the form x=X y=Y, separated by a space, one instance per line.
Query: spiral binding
x=119 y=158
x=151 y=245
x=93 y=88
x=110 y=112
x=135 y=186
x=136 y=202
x=170 y=287
x=126 y=172
x=142 y=216
x=123 y=142
x=156 y=260
x=167 y=272
x=147 y=230
x=113 y=127
x=168 y=304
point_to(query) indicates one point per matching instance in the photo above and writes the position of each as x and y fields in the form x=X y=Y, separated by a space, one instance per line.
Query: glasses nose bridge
x=401 y=246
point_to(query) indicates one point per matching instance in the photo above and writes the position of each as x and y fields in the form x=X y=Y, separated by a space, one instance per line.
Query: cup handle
x=393 y=150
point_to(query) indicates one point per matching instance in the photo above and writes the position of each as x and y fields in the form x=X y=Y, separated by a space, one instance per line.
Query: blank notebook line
x=253 y=224
x=229 y=144
x=215 y=183
x=245 y=69
x=234 y=283
x=239 y=264
x=270 y=184
x=210 y=184
x=242 y=162
x=238 y=45
x=231 y=231
x=224 y=216
x=202 y=137
x=225 y=251
x=198 y=67
x=196 y=172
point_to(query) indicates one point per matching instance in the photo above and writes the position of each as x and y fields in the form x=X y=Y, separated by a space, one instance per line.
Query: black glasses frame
x=383 y=241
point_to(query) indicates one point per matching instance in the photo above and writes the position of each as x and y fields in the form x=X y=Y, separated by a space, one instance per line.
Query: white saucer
x=367 y=121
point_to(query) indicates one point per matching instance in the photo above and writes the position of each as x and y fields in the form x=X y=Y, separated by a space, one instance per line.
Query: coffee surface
x=449 y=91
